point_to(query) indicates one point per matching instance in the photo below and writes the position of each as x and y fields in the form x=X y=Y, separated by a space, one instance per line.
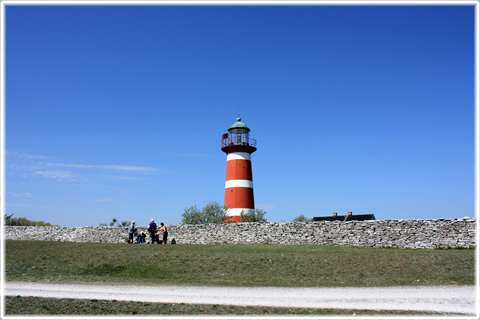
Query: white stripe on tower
x=239 y=183
x=239 y=156
x=238 y=211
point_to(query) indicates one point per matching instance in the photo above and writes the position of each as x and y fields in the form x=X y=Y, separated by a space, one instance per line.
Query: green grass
x=235 y=265
x=48 y=306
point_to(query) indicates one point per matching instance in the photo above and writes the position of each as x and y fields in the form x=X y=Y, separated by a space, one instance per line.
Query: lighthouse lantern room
x=239 y=182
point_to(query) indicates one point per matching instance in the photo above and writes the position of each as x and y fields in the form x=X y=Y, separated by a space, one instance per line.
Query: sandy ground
x=451 y=299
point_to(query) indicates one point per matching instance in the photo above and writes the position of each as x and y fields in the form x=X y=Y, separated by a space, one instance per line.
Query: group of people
x=152 y=229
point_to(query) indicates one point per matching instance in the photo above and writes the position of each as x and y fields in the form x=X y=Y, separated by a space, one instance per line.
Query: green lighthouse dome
x=239 y=125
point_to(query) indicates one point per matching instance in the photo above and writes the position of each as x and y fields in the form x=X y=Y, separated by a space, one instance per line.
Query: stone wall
x=418 y=234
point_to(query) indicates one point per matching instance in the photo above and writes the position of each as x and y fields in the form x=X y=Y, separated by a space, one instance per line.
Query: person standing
x=152 y=227
x=164 y=230
x=131 y=231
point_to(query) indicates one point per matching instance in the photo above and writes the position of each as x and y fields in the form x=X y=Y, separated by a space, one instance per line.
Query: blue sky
x=118 y=111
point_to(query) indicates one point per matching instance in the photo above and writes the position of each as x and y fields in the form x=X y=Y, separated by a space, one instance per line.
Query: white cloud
x=24 y=194
x=103 y=200
x=26 y=166
x=55 y=174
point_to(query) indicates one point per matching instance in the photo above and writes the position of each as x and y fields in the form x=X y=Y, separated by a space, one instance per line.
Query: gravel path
x=451 y=299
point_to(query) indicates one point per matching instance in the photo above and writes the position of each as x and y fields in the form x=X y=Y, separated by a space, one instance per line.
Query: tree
x=24 y=221
x=116 y=223
x=213 y=212
x=7 y=219
x=301 y=218
x=257 y=216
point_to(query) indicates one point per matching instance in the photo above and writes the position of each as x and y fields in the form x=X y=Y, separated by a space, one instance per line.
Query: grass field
x=235 y=265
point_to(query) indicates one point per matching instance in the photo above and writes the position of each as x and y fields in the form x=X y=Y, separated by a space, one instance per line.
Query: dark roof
x=353 y=217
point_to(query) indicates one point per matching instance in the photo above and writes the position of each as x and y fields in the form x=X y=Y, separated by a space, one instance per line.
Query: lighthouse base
x=235 y=214
x=233 y=219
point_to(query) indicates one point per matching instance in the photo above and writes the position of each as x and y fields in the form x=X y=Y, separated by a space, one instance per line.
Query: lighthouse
x=239 y=182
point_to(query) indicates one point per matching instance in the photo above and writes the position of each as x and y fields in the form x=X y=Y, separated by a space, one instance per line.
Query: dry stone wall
x=417 y=234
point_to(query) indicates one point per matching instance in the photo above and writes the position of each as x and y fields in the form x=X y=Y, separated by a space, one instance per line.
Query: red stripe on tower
x=239 y=181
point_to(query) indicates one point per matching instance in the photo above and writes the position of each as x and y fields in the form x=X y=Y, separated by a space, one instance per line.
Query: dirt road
x=451 y=299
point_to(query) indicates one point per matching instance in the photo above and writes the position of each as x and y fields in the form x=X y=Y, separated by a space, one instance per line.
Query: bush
x=301 y=218
x=213 y=212
x=116 y=223
x=257 y=216
x=9 y=221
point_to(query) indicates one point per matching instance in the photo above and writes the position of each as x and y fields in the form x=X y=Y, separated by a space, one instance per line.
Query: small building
x=348 y=217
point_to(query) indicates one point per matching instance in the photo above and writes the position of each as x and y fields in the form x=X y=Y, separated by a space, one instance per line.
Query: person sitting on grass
x=157 y=238
x=141 y=237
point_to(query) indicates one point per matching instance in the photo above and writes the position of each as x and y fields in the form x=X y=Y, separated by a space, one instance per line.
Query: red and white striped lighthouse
x=239 y=182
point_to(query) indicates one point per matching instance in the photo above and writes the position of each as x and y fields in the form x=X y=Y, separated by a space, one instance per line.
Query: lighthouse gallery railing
x=239 y=141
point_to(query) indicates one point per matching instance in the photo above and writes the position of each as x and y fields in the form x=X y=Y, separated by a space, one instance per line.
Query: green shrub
x=213 y=212
x=257 y=216
x=10 y=221
x=301 y=218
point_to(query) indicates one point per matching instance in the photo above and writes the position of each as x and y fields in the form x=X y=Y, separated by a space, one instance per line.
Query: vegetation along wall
x=418 y=234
